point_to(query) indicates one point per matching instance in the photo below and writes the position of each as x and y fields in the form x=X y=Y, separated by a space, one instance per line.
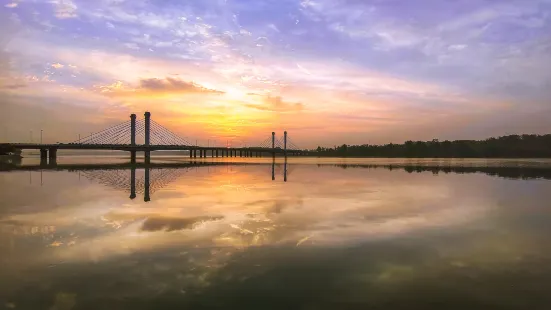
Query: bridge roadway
x=216 y=151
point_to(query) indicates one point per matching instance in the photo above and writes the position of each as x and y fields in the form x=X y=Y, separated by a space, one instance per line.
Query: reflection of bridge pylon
x=150 y=182
x=278 y=166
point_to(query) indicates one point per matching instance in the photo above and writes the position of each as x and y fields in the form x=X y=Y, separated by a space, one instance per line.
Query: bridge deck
x=138 y=148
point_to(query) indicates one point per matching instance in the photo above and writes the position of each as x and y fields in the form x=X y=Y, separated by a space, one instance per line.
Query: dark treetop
x=513 y=146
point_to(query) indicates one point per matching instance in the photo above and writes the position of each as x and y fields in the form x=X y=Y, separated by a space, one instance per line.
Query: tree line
x=511 y=146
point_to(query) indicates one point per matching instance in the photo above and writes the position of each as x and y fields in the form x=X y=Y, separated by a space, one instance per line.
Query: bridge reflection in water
x=137 y=178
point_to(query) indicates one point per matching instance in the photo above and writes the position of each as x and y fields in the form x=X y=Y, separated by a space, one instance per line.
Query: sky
x=327 y=71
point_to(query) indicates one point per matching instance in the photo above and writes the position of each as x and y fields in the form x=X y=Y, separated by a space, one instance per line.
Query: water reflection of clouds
x=339 y=209
x=212 y=225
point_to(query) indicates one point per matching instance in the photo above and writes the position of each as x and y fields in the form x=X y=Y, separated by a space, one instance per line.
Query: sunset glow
x=327 y=71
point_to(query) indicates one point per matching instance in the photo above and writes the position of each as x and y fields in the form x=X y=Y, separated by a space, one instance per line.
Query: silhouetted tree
x=513 y=146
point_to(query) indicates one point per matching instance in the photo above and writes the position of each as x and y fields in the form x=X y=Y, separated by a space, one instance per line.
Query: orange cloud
x=156 y=87
x=275 y=104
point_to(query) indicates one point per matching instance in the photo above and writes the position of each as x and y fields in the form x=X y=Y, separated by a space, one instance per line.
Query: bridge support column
x=52 y=157
x=53 y=153
x=190 y=153
x=217 y=153
x=133 y=157
x=147 y=130
x=194 y=153
x=285 y=143
x=43 y=157
x=133 y=129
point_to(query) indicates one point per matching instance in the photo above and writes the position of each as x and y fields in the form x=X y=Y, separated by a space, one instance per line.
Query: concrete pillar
x=285 y=142
x=43 y=157
x=194 y=153
x=133 y=129
x=216 y=152
x=147 y=128
x=273 y=140
x=133 y=157
x=53 y=153
x=190 y=153
x=147 y=134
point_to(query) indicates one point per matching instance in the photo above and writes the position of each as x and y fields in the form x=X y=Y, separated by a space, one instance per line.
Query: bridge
x=124 y=137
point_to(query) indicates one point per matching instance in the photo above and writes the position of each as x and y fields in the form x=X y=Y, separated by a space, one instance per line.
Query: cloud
x=173 y=224
x=11 y=5
x=64 y=9
x=275 y=104
x=14 y=85
x=156 y=86
x=57 y=66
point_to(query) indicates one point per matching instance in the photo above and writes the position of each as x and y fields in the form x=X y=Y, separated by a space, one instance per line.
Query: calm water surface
x=308 y=234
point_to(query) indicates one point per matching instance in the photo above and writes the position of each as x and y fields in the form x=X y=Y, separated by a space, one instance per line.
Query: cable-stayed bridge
x=146 y=135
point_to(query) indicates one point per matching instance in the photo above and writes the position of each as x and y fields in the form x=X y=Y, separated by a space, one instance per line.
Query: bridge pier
x=190 y=153
x=147 y=156
x=194 y=153
x=53 y=153
x=43 y=157
x=133 y=157
x=216 y=152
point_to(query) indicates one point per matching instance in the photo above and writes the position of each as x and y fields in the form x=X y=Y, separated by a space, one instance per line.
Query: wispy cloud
x=398 y=63
x=275 y=104
x=64 y=8
x=155 y=86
